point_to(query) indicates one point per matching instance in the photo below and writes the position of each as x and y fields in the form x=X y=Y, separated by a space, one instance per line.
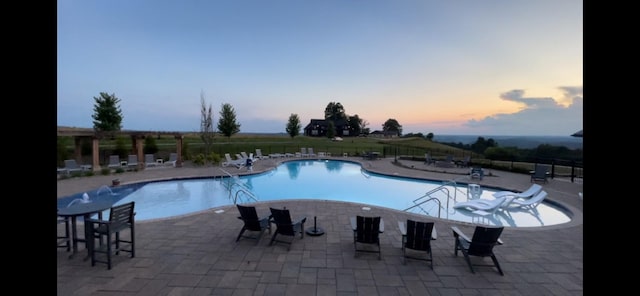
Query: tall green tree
x=355 y=125
x=334 y=112
x=429 y=136
x=150 y=145
x=227 y=124
x=293 y=125
x=331 y=130
x=122 y=149
x=481 y=144
x=392 y=125
x=363 y=127
x=207 y=134
x=107 y=116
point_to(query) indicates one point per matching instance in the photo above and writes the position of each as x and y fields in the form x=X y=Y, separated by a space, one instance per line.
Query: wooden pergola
x=137 y=140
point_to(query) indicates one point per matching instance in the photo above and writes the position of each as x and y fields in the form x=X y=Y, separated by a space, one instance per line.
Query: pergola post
x=139 y=151
x=95 y=142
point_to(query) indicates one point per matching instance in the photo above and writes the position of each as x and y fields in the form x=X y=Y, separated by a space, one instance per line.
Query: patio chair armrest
x=458 y=233
x=301 y=221
x=98 y=221
x=354 y=226
x=403 y=228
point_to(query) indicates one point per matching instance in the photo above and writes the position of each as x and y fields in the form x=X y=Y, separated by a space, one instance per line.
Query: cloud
x=544 y=115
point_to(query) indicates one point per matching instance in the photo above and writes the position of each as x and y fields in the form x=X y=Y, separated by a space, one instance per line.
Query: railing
x=419 y=206
x=428 y=197
x=233 y=182
x=248 y=193
x=418 y=202
x=365 y=174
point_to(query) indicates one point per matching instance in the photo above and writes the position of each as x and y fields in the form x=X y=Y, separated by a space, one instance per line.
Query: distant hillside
x=523 y=142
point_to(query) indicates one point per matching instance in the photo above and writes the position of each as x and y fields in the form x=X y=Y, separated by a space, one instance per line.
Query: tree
x=430 y=136
x=481 y=144
x=107 y=115
x=150 y=145
x=121 y=147
x=331 y=130
x=355 y=125
x=227 y=124
x=392 y=125
x=334 y=112
x=293 y=126
x=207 y=134
x=363 y=127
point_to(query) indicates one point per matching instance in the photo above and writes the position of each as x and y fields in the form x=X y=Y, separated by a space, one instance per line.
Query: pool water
x=321 y=180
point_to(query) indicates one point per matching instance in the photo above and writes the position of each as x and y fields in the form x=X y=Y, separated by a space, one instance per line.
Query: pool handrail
x=232 y=182
x=419 y=205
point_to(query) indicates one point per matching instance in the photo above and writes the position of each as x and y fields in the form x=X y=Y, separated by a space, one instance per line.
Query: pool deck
x=197 y=254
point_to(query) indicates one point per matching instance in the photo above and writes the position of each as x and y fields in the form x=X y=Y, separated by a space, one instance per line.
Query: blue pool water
x=315 y=179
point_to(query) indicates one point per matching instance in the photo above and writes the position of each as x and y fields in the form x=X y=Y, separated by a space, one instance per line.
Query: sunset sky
x=463 y=67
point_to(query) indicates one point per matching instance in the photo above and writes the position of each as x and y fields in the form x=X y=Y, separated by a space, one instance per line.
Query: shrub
x=150 y=146
x=105 y=171
x=214 y=158
x=121 y=147
x=185 y=151
x=86 y=147
x=119 y=170
x=199 y=159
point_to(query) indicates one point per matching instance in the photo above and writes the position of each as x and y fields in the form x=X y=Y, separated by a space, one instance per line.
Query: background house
x=320 y=128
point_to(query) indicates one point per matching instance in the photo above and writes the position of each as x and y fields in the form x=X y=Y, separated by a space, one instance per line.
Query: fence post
x=573 y=169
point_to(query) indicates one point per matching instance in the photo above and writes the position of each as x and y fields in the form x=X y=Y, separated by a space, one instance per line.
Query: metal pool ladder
x=233 y=181
x=429 y=197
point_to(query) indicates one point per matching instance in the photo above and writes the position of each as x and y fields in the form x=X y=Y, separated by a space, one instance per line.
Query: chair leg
x=466 y=258
x=109 y=250
x=133 y=241
x=118 y=243
x=495 y=261
x=66 y=237
x=90 y=241
x=240 y=234
x=456 y=247
x=355 y=248
x=404 y=255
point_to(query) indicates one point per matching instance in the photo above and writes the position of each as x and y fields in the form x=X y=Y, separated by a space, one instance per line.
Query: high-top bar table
x=85 y=210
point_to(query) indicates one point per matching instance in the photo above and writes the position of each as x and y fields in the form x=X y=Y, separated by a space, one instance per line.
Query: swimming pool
x=316 y=179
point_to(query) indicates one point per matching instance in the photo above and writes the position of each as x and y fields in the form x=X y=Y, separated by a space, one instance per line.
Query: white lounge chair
x=235 y=162
x=482 y=206
x=70 y=166
x=530 y=192
x=149 y=160
x=114 y=162
x=259 y=154
x=173 y=158
x=310 y=152
x=244 y=155
x=530 y=203
x=132 y=161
